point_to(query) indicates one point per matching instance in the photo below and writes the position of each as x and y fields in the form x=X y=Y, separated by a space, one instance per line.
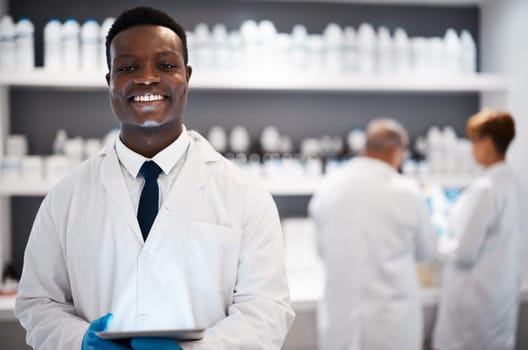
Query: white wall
x=504 y=44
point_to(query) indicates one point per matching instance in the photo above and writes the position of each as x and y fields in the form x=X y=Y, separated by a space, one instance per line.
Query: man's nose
x=147 y=76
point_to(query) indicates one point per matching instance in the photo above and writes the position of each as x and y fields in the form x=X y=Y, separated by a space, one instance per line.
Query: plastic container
x=53 y=45
x=468 y=53
x=349 y=49
x=25 y=44
x=402 y=52
x=366 y=43
x=333 y=43
x=385 y=52
x=453 y=50
x=298 y=51
x=70 y=45
x=7 y=43
x=203 y=47
x=90 y=45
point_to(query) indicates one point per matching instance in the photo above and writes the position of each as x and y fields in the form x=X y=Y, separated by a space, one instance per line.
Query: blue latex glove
x=154 y=344
x=92 y=342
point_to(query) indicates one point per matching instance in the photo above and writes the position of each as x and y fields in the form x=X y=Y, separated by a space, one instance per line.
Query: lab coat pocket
x=212 y=256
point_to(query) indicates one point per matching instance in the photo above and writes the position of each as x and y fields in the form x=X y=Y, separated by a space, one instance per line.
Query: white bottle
x=25 y=44
x=315 y=48
x=7 y=43
x=103 y=32
x=89 y=46
x=217 y=137
x=267 y=34
x=419 y=56
x=436 y=56
x=239 y=140
x=222 y=53
x=349 y=49
x=53 y=45
x=235 y=47
x=333 y=46
x=298 y=53
x=452 y=45
x=402 y=52
x=70 y=45
x=249 y=31
x=385 y=52
x=468 y=53
x=366 y=49
x=60 y=140
x=203 y=46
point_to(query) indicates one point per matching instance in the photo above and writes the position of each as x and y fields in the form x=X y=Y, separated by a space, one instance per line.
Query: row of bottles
x=364 y=50
x=17 y=49
x=67 y=46
x=438 y=153
x=18 y=164
x=71 y=46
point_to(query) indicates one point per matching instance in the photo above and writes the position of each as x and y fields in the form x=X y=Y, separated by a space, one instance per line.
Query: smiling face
x=148 y=82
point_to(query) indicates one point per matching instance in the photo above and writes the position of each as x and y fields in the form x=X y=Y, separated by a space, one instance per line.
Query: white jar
x=53 y=45
x=7 y=43
x=25 y=44
x=90 y=46
x=70 y=45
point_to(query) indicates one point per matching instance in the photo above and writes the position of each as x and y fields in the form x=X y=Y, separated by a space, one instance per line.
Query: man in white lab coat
x=115 y=248
x=372 y=226
x=482 y=277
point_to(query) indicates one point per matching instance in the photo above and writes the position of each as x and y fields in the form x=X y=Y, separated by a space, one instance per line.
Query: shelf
x=24 y=188
x=277 y=187
x=395 y=2
x=214 y=80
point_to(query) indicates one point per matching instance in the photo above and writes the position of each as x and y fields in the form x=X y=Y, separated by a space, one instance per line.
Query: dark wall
x=40 y=112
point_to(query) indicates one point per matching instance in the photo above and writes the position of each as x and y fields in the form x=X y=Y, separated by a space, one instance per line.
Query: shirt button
x=143 y=318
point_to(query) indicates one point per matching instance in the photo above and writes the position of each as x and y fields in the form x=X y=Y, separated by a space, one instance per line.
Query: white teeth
x=148 y=98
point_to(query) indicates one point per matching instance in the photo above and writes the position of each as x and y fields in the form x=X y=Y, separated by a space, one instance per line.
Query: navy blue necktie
x=149 y=200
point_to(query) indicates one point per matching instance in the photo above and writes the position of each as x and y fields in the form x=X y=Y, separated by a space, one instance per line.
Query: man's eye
x=167 y=66
x=128 y=68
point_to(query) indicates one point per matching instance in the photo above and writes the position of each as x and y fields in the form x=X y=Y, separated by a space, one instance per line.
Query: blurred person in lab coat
x=482 y=277
x=213 y=255
x=373 y=225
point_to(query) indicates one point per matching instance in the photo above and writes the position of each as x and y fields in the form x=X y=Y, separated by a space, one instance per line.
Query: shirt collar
x=375 y=164
x=166 y=158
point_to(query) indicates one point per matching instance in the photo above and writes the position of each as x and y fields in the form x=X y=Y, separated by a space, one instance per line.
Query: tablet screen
x=176 y=334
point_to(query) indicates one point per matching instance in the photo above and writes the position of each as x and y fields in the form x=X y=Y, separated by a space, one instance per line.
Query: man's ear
x=107 y=77
x=188 y=72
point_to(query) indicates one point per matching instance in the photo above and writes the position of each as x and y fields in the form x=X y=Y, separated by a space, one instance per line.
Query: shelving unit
x=277 y=187
x=213 y=80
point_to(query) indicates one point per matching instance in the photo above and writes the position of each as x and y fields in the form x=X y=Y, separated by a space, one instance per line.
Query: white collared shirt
x=170 y=160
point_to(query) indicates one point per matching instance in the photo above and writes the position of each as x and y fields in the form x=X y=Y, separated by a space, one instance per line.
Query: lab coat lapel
x=192 y=178
x=115 y=186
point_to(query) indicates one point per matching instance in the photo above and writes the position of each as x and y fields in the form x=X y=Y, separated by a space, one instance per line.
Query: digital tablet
x=176 y=334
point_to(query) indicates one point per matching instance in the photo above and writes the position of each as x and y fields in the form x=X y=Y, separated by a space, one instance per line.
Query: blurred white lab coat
x=213 y=258
x=481 y=282
x=372 y=226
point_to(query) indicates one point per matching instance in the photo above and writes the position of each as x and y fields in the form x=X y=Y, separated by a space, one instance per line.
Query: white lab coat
x=213 y=258
x=372 y=226
x=481 y=282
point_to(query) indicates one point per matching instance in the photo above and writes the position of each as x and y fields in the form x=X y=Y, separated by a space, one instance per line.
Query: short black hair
x=145 y=16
